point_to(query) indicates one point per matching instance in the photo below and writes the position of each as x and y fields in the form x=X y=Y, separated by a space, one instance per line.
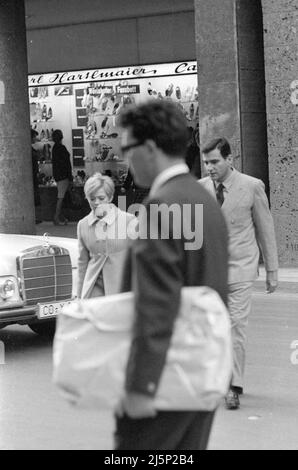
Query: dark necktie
x=220 y=194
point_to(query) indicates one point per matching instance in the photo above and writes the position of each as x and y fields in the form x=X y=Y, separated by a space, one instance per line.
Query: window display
x=85 y=105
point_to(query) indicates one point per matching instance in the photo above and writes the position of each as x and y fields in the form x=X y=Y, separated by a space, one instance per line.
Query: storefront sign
x=101 y=90
x=128 y=89
x=122 y=73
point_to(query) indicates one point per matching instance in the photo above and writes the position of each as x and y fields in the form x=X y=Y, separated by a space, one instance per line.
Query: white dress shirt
x=164 y=176
x=227 y=183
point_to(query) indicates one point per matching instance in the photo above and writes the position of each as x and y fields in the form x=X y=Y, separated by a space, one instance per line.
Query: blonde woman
x=104 y=236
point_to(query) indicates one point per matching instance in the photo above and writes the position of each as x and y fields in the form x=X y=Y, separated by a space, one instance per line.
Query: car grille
x=46 y=275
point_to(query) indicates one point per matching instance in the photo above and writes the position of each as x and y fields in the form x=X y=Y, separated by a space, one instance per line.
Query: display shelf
x=117 y=168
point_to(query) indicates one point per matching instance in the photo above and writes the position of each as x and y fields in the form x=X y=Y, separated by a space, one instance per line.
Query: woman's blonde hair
x=97 y=181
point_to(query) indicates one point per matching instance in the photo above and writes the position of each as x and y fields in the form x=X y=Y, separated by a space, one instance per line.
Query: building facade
x=246 y=52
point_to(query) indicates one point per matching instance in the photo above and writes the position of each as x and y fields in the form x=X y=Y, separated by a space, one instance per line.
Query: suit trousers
x=240 y=301
x=169 y=430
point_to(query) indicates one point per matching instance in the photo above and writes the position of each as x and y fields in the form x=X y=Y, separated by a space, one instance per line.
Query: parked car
x=37 y=278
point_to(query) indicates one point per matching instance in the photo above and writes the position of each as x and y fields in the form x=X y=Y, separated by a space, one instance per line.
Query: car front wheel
x=44 y=329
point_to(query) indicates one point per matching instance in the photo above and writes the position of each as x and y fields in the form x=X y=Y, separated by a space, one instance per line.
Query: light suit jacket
x=250 y=226
x=103 y=254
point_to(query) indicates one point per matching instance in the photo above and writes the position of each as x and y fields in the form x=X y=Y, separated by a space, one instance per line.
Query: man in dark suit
x=154 y=139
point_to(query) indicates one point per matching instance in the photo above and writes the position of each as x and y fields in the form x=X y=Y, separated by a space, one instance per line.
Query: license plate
x=51 y=310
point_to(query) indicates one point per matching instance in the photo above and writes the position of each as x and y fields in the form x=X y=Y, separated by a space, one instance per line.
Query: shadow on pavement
x=17 y=338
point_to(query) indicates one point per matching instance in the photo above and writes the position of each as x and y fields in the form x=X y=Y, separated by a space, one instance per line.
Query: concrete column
x=218 y=77
x=16 y=185
x=229 y=39
x=281 y=64
x=251 y=72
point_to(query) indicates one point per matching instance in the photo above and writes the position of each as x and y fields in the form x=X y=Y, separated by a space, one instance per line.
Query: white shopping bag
x=92 y=344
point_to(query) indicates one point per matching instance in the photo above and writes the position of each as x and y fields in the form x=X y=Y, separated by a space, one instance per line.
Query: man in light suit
x=154 y=139
x=250 y=226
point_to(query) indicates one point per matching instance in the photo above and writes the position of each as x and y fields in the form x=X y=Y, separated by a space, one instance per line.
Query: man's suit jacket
x=250 y=226
x=160 y=268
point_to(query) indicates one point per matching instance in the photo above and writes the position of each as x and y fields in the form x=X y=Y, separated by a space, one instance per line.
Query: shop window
x=86 y=105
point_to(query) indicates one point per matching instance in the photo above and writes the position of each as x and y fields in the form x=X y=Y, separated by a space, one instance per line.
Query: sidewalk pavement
x=68 y=231
x=287 y=280
x=288 y=277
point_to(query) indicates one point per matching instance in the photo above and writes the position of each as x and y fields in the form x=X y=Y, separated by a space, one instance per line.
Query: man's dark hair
x=161 y=121
x=57 y=135
x=221 y=144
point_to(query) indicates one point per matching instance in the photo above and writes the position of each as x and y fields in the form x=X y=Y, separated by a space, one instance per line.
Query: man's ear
x=230 y=160
x=151 y=145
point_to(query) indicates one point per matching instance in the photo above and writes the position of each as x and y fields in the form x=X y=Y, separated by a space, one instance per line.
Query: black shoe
x=236 y=389
x=232 y=400
x=37 y=222
x=58 y=222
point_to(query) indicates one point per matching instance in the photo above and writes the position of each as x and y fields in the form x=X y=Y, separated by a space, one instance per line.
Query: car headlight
x=9 y=292
x=7 y=289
